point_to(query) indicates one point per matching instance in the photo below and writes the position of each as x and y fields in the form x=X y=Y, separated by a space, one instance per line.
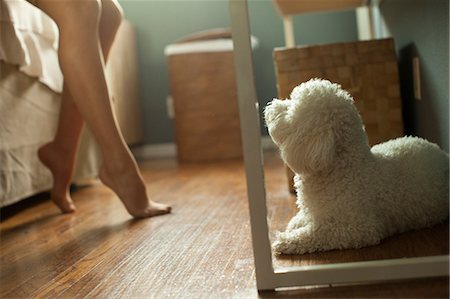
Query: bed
x=30 y=87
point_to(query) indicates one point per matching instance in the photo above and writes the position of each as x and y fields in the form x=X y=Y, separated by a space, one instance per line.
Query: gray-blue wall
x=421 y=27
x=159 y=23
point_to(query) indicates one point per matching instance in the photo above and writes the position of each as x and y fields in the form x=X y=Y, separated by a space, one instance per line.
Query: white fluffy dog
x=351 y=195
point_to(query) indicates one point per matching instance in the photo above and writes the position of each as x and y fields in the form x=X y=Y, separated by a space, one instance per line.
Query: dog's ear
x=275 y=115
x=319 y=151
x=315 y=153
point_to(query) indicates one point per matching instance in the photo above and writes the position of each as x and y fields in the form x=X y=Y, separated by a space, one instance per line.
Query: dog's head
x=318 y=119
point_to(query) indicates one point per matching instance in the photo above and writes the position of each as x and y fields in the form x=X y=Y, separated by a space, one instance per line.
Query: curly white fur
x=351 y=195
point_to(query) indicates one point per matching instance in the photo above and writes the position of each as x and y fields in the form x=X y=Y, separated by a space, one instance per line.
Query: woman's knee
x=70 y=14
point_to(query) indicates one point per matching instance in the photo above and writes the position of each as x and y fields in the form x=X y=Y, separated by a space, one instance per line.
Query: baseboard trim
x=169 y=150
x=154 y=151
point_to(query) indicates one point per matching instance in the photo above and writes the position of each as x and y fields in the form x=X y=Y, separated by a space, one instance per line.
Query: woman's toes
x=65 y=204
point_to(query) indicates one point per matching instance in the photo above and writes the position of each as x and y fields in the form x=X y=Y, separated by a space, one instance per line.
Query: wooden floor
x=202 y=250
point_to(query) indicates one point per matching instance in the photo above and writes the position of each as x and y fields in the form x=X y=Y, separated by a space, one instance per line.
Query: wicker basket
x=366 y=69
x=204 y=95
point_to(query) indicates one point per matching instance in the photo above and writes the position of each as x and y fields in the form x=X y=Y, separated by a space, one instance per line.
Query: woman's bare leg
x=87 y=88
x=60 y=154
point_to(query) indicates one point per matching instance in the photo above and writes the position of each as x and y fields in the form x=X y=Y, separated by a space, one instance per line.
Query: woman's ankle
x=58 y=160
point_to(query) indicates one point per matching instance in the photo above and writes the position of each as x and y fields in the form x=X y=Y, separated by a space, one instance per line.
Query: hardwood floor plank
x=193 y=250
x=56 y=247
x=203 y=249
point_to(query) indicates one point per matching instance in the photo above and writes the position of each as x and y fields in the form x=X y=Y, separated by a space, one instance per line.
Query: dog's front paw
x=298 y=221
x=297 y=241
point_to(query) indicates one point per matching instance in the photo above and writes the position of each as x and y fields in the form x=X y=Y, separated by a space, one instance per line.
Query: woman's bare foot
x=127 y=183
x=56 y=160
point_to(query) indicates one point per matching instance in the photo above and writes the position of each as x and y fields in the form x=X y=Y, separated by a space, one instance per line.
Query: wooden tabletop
x=293 y=7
